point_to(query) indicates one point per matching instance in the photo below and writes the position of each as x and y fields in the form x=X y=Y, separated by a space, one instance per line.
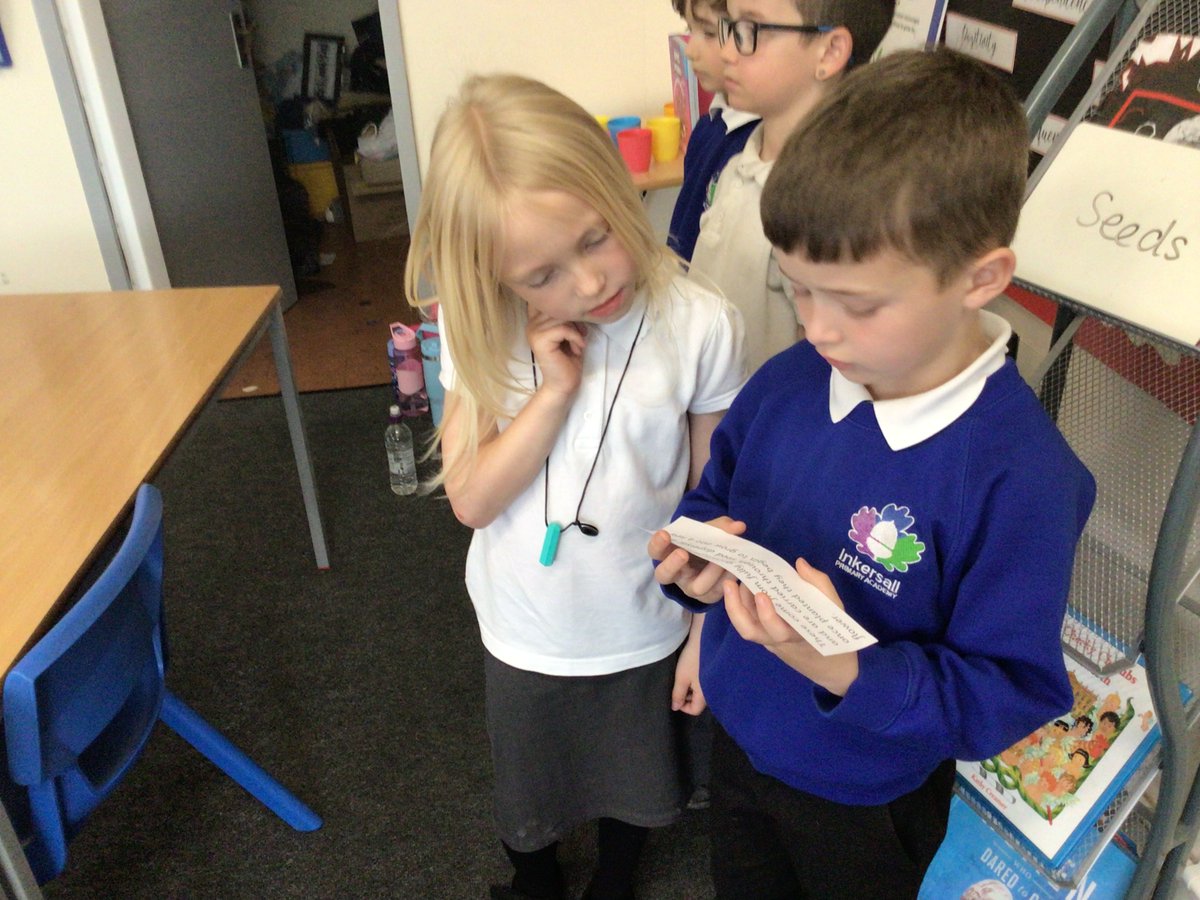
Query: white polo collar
x=910 y=420
x=623 y=330
x=749 y=163
x=733 y=118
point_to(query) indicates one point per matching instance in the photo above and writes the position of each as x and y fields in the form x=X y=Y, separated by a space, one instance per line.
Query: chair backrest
x=81 y=704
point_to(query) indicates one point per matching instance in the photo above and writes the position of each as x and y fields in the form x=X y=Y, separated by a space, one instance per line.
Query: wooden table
x=95 y=390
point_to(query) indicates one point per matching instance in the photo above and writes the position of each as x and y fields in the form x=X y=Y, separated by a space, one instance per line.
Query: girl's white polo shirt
x=597 y=609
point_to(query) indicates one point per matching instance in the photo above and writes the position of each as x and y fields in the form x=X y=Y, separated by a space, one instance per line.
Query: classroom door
x=201 y=142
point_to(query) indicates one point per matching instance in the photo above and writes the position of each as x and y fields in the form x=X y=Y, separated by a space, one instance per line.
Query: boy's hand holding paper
x=815 y=617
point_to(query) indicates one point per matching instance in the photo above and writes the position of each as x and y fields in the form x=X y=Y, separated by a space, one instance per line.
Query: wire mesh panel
x=1126 y=402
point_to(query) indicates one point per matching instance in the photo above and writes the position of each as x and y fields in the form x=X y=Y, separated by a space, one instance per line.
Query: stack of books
x=976 y=863
x=1055 y=791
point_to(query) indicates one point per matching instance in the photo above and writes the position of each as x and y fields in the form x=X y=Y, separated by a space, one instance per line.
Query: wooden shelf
x=661 y=175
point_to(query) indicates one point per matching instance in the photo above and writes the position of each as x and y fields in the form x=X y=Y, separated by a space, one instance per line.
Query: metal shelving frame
x=1128 y=401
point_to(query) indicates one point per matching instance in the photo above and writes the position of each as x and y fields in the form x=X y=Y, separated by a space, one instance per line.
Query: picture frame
x=324 y=55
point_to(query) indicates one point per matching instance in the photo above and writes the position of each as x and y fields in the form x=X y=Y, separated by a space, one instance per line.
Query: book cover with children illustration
x=1053 y=785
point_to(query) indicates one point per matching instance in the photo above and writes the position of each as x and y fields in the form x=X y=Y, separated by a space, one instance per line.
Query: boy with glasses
x=779 y=58
x=717 y=137
x=898 y=458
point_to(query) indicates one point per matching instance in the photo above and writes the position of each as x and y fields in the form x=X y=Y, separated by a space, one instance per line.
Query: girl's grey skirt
x=570 y=749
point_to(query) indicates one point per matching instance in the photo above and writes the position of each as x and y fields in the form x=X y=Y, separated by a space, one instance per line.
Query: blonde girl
x=584 y=377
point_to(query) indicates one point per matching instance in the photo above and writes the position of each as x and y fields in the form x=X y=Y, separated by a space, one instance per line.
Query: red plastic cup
x=634 y=144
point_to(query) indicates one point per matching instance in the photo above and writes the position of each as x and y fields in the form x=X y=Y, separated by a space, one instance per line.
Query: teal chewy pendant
x=550 y=544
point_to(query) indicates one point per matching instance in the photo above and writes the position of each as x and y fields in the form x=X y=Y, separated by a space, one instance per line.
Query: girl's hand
x=686 y=695
x=755 y=619
x=558 y=350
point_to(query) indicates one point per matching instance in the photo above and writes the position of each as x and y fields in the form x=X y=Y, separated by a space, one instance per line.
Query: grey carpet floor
x=359 y=687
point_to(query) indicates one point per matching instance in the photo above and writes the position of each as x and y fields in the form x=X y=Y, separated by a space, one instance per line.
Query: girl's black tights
x=538 y=875
x=620 y=847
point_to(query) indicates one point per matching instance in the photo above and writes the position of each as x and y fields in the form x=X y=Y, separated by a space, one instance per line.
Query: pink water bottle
x=408 y=374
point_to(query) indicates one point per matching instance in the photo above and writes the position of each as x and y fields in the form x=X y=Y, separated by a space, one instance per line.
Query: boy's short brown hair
x=866 y=20
x=681 y=7
x=921 y=152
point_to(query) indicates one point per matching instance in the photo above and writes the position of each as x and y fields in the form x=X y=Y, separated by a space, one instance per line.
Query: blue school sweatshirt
x=955 y=552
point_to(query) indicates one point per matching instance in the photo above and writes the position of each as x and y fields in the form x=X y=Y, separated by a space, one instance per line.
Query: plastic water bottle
x=402 y=464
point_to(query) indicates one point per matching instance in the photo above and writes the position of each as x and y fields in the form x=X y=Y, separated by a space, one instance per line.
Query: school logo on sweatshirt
x=885 y=538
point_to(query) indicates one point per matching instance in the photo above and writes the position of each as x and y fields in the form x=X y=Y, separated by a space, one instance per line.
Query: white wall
x=610 y=56
x=47 y=242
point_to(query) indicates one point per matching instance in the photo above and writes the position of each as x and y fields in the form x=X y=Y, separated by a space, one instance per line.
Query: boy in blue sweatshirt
x=899 y=459
x=717 y=137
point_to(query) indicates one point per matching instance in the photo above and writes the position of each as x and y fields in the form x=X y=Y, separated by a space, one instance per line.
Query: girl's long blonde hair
x=505 y=135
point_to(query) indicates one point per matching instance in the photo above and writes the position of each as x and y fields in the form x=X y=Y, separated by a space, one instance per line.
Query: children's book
x=691 y=101
x=976 y=863
x=1053 y=785
x=1156 y=95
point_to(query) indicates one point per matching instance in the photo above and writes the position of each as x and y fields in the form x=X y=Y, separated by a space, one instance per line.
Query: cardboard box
x=380 y=171
x=376 y=210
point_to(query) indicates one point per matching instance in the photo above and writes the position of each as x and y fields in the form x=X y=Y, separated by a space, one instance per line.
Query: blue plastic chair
x=80 y=706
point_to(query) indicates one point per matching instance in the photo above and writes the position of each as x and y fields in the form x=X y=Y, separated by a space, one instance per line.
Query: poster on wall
x=1068 y=11
x=1020 y=38
x=915 y=25
x=323 y=57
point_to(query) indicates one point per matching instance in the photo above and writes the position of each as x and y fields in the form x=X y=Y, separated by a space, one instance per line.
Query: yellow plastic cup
x=664 y=138
x=603 y=120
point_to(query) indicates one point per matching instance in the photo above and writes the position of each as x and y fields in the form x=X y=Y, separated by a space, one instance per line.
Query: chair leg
x=16 y=877
x=194 y=729
x=47 y=853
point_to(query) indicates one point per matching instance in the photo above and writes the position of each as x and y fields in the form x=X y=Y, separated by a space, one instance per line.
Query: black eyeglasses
x=745 y=32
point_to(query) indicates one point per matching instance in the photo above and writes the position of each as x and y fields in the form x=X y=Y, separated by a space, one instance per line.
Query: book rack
x=1128 y=402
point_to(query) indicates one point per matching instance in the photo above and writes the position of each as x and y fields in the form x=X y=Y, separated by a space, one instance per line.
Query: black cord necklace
x=553 y=529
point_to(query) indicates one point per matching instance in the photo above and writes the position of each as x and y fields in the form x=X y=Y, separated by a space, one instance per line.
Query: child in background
x=897 y=456
x=584 y=376
x=780 y=57
x=716 y=137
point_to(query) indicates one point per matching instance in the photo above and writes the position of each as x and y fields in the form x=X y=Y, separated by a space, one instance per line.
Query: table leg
x=291 y=405
x=16 y=878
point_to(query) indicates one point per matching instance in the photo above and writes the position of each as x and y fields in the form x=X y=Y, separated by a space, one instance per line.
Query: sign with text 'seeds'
x=1114 y=225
